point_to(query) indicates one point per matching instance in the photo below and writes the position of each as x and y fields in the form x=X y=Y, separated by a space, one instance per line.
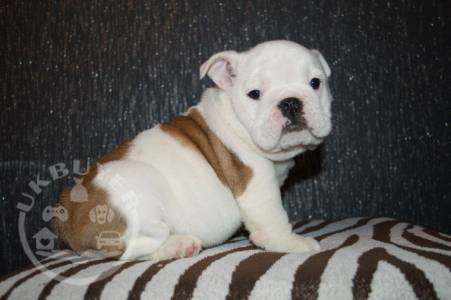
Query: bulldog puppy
x=190 y=183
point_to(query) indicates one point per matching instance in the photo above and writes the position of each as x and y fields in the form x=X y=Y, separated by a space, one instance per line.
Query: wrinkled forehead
x=280 y=65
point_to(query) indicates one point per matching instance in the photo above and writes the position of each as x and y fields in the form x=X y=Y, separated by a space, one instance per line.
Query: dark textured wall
x=79 y=77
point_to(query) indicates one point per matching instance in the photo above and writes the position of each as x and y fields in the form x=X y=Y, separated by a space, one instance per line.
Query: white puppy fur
x=169 y=195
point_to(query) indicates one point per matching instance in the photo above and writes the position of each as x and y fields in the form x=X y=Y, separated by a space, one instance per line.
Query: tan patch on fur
x=79 y=232
x=192 y=131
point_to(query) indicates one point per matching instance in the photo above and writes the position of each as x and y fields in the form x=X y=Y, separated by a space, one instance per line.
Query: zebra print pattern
x=360 y=258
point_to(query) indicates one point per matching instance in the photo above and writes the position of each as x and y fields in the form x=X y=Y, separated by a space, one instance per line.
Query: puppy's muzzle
x=292 y=109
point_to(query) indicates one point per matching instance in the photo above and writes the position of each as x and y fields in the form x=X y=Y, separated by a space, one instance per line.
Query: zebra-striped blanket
x=360 y=258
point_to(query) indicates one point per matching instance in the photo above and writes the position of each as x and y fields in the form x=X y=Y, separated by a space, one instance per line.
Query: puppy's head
x=279 y=93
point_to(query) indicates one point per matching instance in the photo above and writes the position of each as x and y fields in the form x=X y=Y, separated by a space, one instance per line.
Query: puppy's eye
x=315 y=83
x=254 y=94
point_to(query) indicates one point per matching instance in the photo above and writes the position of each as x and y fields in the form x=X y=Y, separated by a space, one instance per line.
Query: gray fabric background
x=79 y=77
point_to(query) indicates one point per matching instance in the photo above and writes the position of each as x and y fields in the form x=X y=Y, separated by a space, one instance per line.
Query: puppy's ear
x=322 y=62
x=221 y=68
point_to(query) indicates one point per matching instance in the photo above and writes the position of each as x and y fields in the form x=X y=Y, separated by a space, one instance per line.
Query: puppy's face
x=279 y=93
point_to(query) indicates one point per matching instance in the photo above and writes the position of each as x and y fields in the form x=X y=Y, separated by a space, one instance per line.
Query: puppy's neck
x=216 y=108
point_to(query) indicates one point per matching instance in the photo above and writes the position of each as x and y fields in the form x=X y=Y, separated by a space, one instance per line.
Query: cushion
x=360 y=258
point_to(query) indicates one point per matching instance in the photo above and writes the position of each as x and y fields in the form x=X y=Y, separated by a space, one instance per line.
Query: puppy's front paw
x=299 y=244
x=291 y=243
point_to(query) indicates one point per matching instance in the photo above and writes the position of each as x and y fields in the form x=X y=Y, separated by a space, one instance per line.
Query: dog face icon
x=101 y=214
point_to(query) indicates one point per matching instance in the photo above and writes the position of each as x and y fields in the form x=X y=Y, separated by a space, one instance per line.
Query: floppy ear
x=322 y=62
x=110 y=215
x=221 y=68
x=93 y=215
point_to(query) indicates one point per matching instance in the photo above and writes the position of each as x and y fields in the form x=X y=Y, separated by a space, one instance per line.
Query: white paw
x=292 y=243
x=178 y=246
x=299 y=244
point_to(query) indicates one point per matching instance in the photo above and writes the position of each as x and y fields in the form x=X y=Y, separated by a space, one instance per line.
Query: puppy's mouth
x=302 y=132
x=294 y=125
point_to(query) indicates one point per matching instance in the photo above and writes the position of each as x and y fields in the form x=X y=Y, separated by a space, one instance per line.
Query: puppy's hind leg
x=138 y=192
x=142 y=244
x=178 y=246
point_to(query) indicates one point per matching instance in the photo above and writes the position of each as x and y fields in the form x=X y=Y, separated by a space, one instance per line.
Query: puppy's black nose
x=291 y=108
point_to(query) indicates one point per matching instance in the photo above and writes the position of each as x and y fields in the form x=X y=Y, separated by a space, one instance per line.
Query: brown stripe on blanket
x=420 y=241
x=248 y=272
x=299 y=224
x=367 y=267
x=235 y=240
x=145 y=277
x=240 y=235
x=69 y=272
x=95 y=289
x=437 y=235
x=318 y=226
x=188 y=280
x=308 y=275
x=381 y=233
x=37 y=272
x=44 y=262
x=360 y=223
